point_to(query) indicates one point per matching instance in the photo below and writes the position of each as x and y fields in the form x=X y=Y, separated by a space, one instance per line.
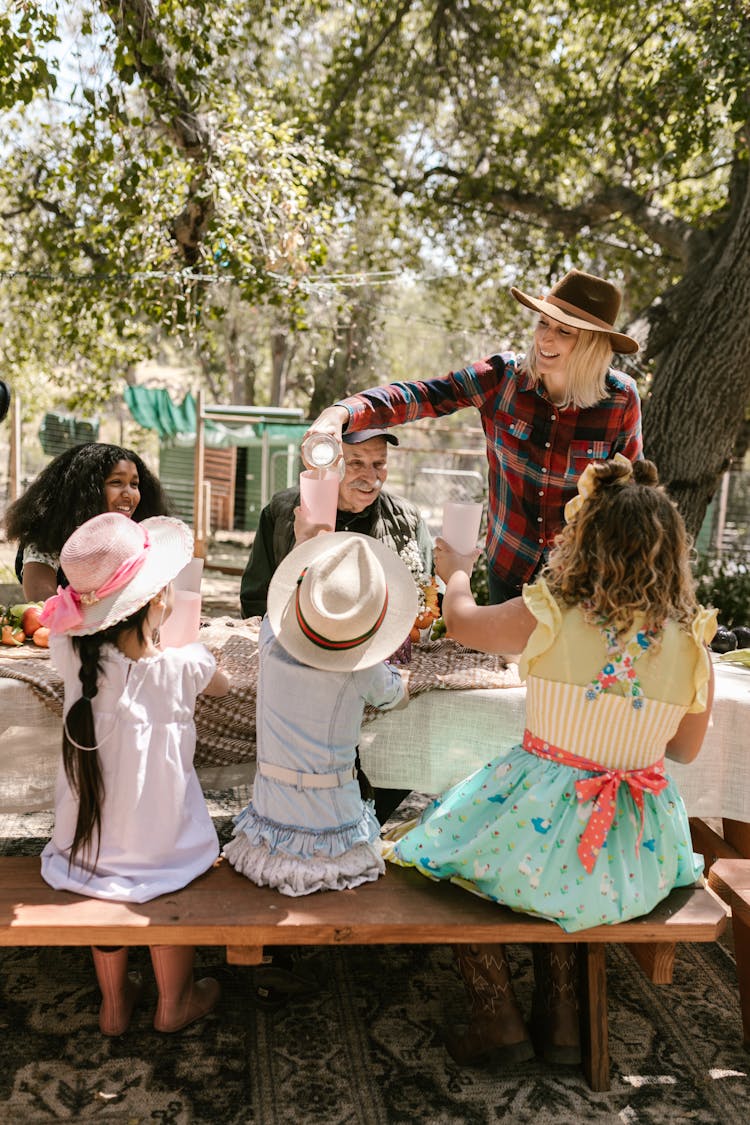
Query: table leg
x=244 y=955
x=592 y=959
x=741 y=934
x=737 y=835
x=710 y=844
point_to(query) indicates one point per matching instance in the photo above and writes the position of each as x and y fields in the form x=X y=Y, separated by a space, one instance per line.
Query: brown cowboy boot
x=554 y=1011
x=497 y=1032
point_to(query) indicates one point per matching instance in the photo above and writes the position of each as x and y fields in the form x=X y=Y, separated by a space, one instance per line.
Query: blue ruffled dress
x=302 y=840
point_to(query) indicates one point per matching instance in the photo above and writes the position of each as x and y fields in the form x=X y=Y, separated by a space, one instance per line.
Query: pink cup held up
x=319 y=496
x=183 y=623
x=190 y=576
x=461 y=523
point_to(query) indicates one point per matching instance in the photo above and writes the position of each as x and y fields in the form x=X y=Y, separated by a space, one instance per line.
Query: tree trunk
x=701 y=388
x=348 y=365
x=282 y=354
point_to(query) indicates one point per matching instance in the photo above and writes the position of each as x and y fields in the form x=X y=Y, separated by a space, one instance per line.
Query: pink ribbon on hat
x=62 y=611
x=602 y=789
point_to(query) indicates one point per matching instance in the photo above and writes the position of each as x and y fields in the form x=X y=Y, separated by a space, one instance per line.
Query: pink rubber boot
x=181 y=999
x=120 y=990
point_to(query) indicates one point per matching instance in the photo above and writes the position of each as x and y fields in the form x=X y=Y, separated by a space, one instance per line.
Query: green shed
x=250 y=453
x=243 y=476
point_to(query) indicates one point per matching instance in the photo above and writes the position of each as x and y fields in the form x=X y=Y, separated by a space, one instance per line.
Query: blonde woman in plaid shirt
x=545 y=416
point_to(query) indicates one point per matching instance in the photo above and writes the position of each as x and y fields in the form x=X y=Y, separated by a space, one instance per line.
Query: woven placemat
x=226 y=725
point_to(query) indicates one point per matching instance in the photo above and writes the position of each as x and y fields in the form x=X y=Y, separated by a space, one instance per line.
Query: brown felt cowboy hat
x=582 y=300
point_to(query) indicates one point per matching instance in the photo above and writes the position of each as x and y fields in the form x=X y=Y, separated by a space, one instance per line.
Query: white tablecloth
x=443 y=736
x=439 y=738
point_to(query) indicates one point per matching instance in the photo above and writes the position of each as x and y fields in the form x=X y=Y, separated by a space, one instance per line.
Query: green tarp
x=153 y=409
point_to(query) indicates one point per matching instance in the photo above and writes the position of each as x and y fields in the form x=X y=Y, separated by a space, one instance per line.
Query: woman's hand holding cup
x=330 y=421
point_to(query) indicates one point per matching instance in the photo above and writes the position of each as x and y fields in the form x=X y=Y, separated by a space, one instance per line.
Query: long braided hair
x=80 y=747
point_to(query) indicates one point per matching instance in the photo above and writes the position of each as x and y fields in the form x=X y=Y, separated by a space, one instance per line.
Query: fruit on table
x=12 y=635
x=30 y=618
x=724 y=640
x=40 y=636
x=19 y=621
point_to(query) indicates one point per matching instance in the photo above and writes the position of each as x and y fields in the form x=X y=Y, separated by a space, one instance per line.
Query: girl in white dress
x=130 y=819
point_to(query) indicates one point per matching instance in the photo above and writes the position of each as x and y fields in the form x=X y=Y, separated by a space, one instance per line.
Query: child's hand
x=448 y=561
x=219 y=683
x=405 y=674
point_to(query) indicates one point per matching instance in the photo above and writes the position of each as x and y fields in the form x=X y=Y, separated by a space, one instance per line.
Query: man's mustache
x=366 y=485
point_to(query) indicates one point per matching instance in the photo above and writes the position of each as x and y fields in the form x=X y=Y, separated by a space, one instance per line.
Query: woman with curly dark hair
x=80 y=483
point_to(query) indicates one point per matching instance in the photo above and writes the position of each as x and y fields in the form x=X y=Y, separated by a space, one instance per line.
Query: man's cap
x=356 y=436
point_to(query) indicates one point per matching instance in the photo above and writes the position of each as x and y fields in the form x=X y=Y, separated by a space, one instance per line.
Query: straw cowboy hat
x=582 y=300
x=342 y=601
x=114 y=566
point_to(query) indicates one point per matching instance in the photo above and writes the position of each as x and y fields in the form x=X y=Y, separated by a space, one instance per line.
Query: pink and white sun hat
x=114 y=566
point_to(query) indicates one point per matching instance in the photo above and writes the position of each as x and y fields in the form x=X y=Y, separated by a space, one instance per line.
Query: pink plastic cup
x=190 y=576
x=319 y=496
x=182 y=625
x=461 y=523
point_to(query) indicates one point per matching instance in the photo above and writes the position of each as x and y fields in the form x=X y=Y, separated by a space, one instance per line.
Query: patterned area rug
x=363 y=1050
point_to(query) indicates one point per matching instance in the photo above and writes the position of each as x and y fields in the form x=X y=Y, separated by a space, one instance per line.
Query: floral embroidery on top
x=620 y=666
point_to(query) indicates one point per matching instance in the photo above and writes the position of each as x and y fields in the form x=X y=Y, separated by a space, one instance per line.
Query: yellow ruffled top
x=565 y=648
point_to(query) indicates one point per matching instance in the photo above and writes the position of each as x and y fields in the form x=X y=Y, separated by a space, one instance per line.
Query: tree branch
x=136 y=24
x=680 y=239
x=356 y=72
x=68 y=224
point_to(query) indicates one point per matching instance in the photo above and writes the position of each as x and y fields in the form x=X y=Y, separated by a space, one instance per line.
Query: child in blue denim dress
x=338 y=606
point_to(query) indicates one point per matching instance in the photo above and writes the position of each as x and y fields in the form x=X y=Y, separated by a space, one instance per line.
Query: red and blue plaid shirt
x=536 y=451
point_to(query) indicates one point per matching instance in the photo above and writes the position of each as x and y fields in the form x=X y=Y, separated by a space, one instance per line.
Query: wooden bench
x=224 y=908
x=730 y=879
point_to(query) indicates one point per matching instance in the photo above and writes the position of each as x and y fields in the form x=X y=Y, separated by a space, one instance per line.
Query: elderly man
x=363 y=506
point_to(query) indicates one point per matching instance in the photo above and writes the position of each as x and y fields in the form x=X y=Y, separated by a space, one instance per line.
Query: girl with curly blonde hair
x=600 y=558
x=578 y=823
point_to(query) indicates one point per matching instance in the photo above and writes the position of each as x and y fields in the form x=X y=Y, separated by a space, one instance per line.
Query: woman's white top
x=156 y=833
